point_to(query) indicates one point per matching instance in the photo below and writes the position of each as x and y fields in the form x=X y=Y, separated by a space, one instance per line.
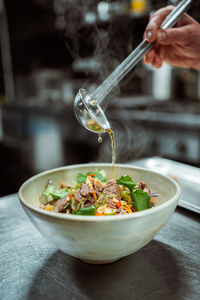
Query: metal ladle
x=87 y=106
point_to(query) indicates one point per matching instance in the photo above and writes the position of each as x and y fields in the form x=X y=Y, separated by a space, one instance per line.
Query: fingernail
x=149 y=34
x=162 y=35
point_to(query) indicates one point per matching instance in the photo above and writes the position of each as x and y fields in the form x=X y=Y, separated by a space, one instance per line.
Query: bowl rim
x=75 y=218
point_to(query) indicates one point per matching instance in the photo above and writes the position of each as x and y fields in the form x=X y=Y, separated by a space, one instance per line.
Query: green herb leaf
x=100 y=176
x=81 y=178
x=54 y=193
x=50 y=188
x=127 y=182
x=86 y=211
x=141 y=200
x=59 y=194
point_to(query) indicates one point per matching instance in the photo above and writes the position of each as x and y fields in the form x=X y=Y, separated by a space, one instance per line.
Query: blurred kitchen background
x=51 y=48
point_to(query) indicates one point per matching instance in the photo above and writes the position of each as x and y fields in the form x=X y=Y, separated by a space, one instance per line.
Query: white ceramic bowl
x=103 y=239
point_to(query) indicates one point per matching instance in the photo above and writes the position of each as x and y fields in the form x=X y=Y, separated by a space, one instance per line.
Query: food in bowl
x=97 y=239
x=96 y=195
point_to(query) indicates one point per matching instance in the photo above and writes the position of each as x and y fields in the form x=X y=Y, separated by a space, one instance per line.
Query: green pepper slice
x=86 y=211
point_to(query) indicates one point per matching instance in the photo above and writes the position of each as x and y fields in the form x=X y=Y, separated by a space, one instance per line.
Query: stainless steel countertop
x=31 y=268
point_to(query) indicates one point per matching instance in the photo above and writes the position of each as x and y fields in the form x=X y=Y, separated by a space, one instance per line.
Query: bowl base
x=99 y=262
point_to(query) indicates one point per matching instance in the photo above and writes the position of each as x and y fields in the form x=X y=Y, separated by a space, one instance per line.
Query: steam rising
x=87 y=35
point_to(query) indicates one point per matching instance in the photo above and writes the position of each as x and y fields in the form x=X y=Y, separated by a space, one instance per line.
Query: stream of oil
x=94 y=126
x=113 y=147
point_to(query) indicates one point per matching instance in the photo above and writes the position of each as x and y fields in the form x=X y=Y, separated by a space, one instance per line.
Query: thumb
x=172 y=35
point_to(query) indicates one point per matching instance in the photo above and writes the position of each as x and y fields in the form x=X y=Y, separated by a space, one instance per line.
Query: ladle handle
x=134 y=57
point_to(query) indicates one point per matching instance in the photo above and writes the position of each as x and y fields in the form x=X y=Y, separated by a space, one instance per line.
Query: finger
x=149 y=56
x=155 y=22
x=157 y=62
x=177 y=35
x=185 y=20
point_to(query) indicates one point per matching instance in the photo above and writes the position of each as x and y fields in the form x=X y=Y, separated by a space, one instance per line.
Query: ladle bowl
x=89 y=113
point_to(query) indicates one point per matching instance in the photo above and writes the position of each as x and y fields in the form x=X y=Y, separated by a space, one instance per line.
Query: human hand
x=178 y=46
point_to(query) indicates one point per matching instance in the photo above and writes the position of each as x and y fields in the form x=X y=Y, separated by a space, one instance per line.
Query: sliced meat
x=98 y=186
x=59 y=204
x=112 y=188
x=142 y=185
x=84 y=192
x=78 y=196
x=89 y=201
